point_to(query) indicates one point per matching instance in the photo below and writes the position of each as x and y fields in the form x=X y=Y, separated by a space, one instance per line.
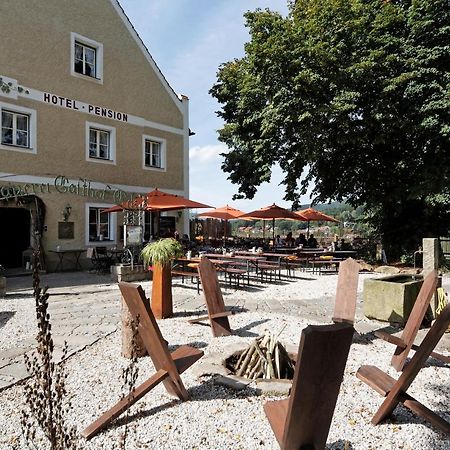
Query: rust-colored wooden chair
x=406 y=342
x=346 y=292
x=168 y=366
x=395 y=391
x=303 y=420
x=217 y=315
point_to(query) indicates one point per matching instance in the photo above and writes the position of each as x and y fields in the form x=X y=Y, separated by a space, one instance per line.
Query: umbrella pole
x=307 y=232
x=225 y=234
x=273 y=232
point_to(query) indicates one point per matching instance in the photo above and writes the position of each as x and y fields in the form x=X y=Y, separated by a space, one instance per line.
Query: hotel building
x=87 y=121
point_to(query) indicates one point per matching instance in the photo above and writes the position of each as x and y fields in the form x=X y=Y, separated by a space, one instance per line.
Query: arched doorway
x=15 y=232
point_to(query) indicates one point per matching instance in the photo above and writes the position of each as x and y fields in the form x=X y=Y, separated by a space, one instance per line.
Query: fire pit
x=223 y=366
x=265 y=358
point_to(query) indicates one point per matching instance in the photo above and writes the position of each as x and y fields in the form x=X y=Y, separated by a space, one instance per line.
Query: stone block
x=390 y=298
x=124 y=272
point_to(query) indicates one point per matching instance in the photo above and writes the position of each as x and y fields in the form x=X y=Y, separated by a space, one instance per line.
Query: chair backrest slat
x=150 y=333
x=213 y=297
x=346 y=291
x=415 y=319
x=319 y=371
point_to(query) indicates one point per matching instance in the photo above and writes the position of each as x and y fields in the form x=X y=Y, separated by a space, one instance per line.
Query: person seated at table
x=289 y=241
x=301 y=241
x=278 y=241
x=312 y=242
x=344 y=245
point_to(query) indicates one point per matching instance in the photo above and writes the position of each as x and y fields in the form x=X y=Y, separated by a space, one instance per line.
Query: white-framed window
x=154 y=153
x=100 y=226
x=18 y=128
x=86 y=58
x=100 y=143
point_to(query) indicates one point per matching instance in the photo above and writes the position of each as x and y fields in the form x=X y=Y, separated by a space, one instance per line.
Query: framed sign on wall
x=66 y=230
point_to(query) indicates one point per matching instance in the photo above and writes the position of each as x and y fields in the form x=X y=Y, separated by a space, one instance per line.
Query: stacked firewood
x=265 y=358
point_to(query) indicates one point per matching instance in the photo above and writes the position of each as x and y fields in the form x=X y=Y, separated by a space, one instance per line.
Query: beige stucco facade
x=128 y=99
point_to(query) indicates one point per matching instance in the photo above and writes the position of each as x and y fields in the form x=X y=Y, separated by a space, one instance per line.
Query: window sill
x=86 y=77
x=101 y=160
x=17 y=148
x=157 y=169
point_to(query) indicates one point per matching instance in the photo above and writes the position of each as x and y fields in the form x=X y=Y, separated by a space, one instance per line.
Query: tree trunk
x=127 y=335
x=162 y=292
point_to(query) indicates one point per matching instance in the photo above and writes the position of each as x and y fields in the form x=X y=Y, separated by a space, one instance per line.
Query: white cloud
x=207 y=153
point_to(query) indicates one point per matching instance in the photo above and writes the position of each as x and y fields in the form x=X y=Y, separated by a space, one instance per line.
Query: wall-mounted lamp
x=66 y=212
x=179 y=214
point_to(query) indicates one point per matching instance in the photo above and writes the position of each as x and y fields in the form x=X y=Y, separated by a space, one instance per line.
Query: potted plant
x=2 y=281
x=159 y=254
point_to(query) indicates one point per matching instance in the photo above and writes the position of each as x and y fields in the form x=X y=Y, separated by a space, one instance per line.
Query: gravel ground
x=217 y=417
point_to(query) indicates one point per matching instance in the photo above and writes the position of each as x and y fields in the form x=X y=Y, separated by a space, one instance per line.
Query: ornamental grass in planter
x=159 y=254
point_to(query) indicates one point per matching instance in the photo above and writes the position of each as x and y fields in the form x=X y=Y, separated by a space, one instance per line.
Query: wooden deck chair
x=346 y=292
x=395 y=391
x=303 y=420
x=215 y=305
x=168 y=366
x=406 y=342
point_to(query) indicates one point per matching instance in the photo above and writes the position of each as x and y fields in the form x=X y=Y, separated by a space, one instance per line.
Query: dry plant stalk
x=265 y=358
x=130 y=376
x=46 y=407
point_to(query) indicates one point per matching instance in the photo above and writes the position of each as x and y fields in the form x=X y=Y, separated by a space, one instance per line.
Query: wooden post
x=162 y=306
x=2 y=286
x=127 y=335
x=430 y=263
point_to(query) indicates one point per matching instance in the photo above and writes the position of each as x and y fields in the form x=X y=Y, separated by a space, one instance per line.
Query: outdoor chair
x=217 y=315
x=395 y=391
x=303 y=420
x=346 y=292
x=168 y=366
x=100 y=260
x=406 y=342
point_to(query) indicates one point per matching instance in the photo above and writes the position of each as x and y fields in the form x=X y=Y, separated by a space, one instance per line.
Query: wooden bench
x=168 y=366
x=320 y=265
x=395 y=391
x=180 y=269
x=303 y=420
x=268 y=269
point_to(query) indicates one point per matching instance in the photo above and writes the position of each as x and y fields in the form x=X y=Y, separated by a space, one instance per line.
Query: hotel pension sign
x=70 y=103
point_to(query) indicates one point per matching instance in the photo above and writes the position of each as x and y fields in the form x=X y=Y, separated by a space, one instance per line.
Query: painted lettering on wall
x=94 y=110
x=63 y=185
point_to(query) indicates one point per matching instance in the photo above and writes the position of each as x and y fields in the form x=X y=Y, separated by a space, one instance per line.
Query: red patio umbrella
x=157 y=201
x=273 y=212
x=312 y=214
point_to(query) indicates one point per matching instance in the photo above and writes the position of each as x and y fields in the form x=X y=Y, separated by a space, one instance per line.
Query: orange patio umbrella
x=312 y=214
x=224 y=213
x=273 y=212
x=157 y=201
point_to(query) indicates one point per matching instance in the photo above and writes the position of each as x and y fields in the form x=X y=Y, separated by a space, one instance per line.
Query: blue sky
x=189 y=39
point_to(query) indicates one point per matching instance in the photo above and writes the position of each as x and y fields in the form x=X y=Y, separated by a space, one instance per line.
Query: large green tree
x=352 y=97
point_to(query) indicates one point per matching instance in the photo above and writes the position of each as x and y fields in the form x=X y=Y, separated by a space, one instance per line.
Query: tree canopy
x=353 y=98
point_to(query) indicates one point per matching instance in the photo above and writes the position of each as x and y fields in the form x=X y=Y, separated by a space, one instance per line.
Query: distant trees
x=354 y=97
